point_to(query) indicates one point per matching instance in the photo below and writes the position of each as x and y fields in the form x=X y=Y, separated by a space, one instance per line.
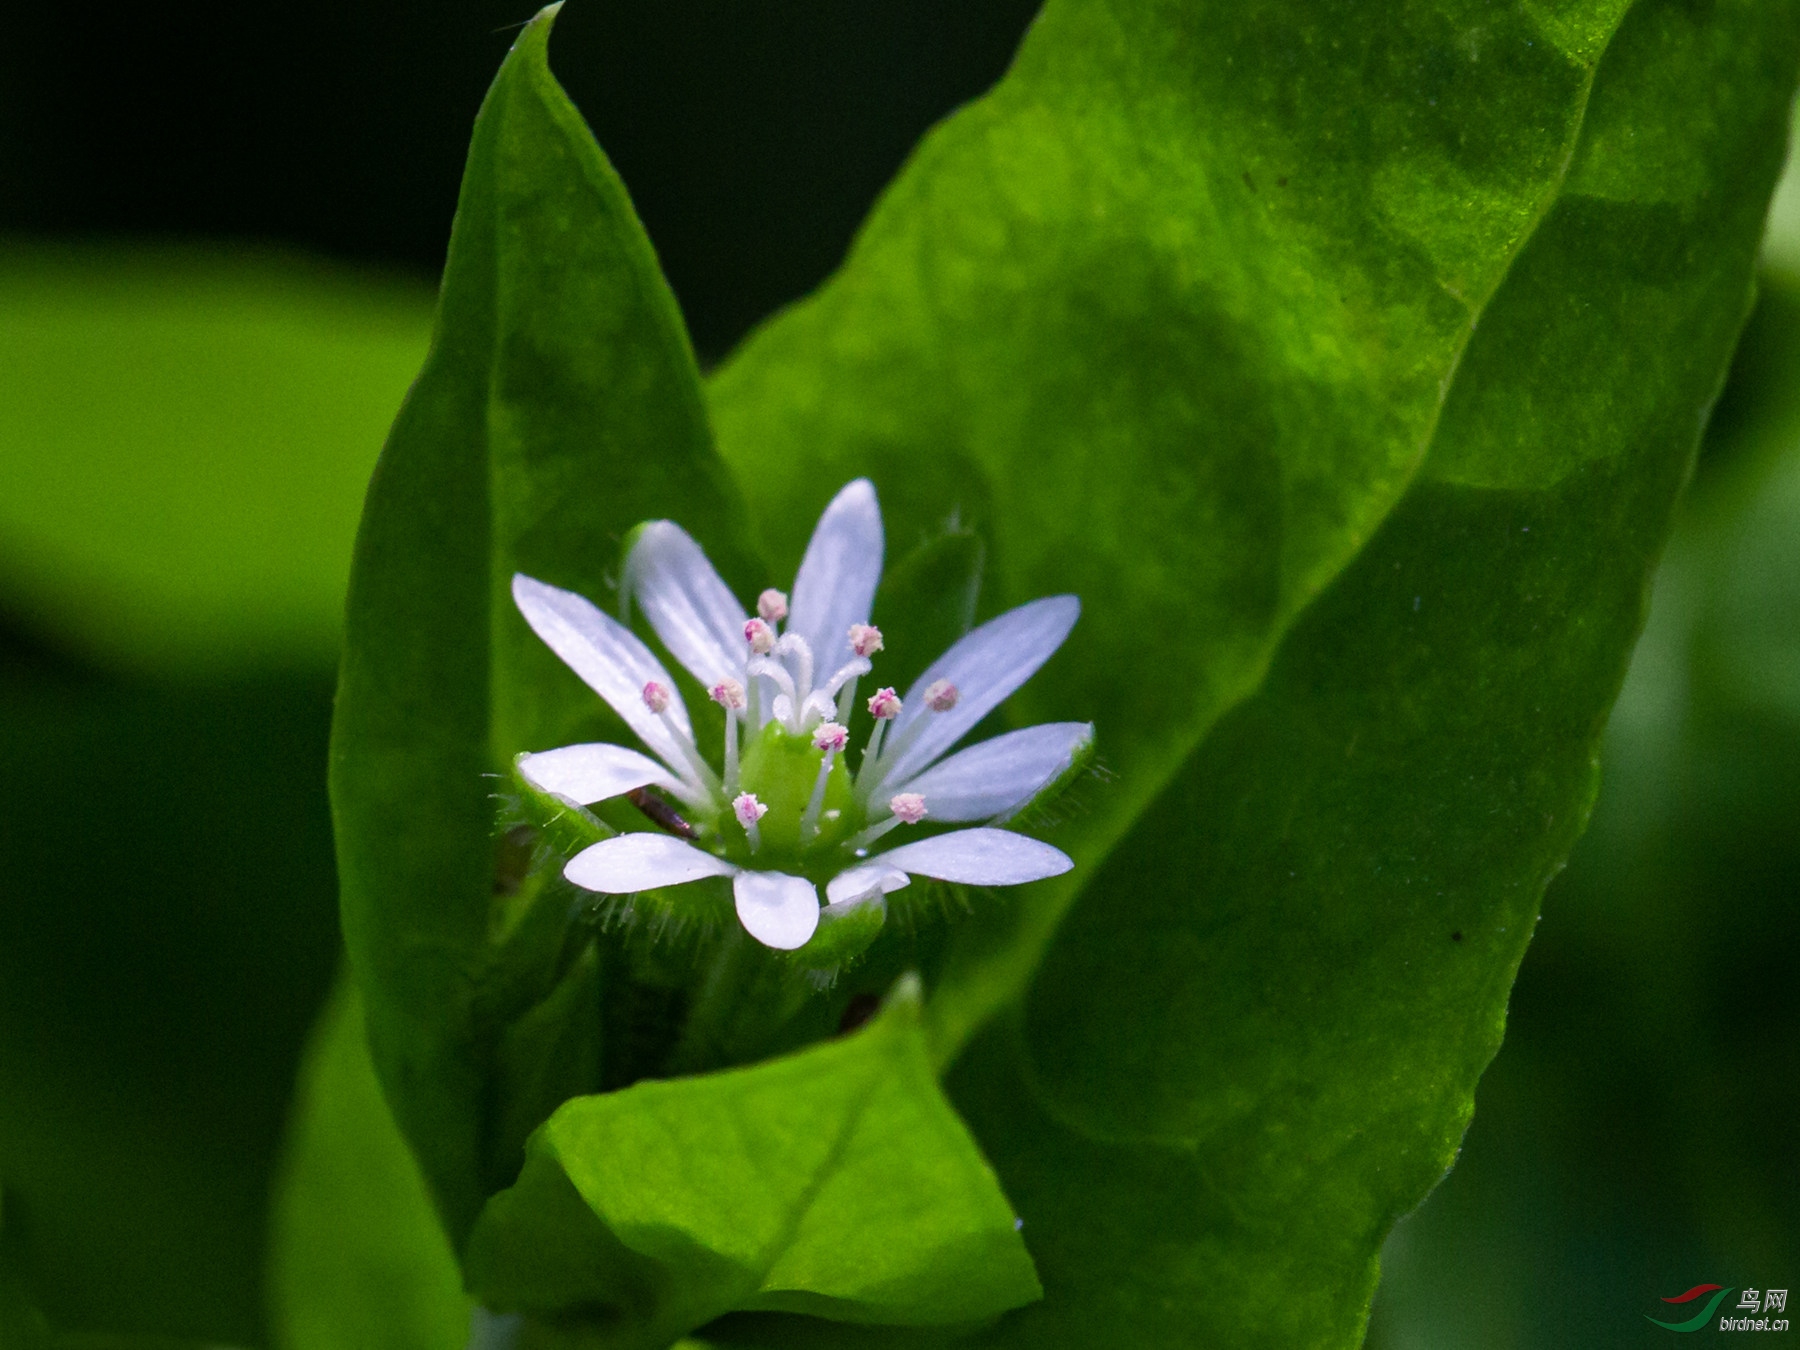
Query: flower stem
x=743 y=1000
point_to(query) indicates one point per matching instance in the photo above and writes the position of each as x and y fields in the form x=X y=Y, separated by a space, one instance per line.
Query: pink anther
x=865 y=639
x=941 y=696
x=908 y=806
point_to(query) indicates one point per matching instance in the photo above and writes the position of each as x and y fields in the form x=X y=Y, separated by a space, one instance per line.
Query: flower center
x=794 y=795
x=805 y=795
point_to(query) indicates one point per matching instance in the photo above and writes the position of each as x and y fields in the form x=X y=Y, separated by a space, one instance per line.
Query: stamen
x=941 y=696
x=729 y=695
x=831 y=737
x=865 y=639
x=760 y=636
x=908 y=808
x=772 y=605
x=884 y=706
x=656 y=699
x=748 y=811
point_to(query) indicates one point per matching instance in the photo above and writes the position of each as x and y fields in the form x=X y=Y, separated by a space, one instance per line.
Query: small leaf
x=836 y=1182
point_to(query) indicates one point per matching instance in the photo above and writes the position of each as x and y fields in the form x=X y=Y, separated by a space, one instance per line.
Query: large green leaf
x=1184 y=318
x=357 y=1258
x=184 y=439
x=837 y=1182
x=559 y=406
x=1654 y=1031
x=1187 y=289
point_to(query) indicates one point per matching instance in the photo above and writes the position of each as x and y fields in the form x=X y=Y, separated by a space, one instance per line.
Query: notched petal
x=608 y=656
x=686 y=602
x=985 y=667
x=629 y=863
x=591 y=773
x=777 y=910
x=997 y=777
x=835 y=587
x=979 y=857
x=865 y=879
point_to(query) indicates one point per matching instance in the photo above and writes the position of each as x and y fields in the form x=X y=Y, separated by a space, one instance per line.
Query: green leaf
x=836 y=1182
x=184 y=438
x=356 y=1254
x=1653 y=1012
x=1781 y=242
x=1168 y=320
x=1347 y=366
x=559 y=406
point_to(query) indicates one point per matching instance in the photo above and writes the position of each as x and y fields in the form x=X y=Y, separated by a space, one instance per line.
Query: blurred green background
x=218 y=231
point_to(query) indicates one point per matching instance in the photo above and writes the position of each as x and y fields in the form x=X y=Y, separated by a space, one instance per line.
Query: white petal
x=612 y=660
x=642 y=862
x=858 y=881
x=985 y=666
x=777 y=910
x=691 y=609
x=592 y=773
x=998 y=776
x=980 y=857
x=836 y=583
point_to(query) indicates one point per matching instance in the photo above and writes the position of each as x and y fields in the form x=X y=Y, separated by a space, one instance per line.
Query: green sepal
x=1039 y=808
x=562 y=827
x=845 y=932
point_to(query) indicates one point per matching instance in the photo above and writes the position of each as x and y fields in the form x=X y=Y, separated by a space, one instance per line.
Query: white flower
x=782 y=809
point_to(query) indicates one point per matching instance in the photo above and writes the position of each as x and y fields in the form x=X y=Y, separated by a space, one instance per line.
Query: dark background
x=753 y=135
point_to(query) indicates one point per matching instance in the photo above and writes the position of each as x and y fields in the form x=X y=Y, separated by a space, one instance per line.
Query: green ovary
x=782 y=769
